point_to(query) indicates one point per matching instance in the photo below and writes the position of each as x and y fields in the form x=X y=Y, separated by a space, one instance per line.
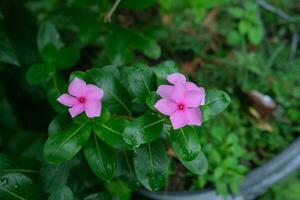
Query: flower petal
x=165 y=106
x=94 y=92
x=191 y=86
x=178 y=119
x=67 y=100
x=193 y=116
x=193 y=98
x=76 y=110
x=165 y=91
x=77 y=87
x=178 y=92
x=176 y=78
x=93 y=108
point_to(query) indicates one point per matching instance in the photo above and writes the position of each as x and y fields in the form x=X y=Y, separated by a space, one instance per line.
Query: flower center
x=81 y=99
x=181 y=106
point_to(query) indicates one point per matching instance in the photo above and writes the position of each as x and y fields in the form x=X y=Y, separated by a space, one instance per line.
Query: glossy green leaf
x=164 y=69
x=101 y=158
x=185 y=143
x=216 y=101
x=62 y=193
x=125 y=168
x=48 y=34
x=15 y=186
x=39 y=73
x=111 y=132
x=142 y=130
x=54 y=176
x=66 y=141
x=119 y=189
x=198 y=165
x=116 y=98
x=141 y=81
x=18 y=165
x=151 y=165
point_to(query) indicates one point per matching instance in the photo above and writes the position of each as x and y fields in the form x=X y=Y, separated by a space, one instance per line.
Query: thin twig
x=294 y=45
x=275 y=10
x=107 y=17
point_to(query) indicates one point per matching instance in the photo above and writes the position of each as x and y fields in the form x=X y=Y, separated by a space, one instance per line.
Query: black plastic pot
x=256 y=182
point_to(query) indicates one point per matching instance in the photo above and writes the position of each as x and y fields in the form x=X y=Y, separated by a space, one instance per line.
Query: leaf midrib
x=110 y=129
x=68 y=138
x=99 y=153
x=151 y=124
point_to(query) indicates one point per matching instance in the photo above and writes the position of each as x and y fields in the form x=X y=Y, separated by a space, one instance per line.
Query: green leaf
x=151 y=99
x=185 y=143
x=151 y=165
x=117 y=49
x=48 y=34
x=146 y=45
x=234 y=38
x=49 y=54
x=125 y=169
x=236 y=12
x=15 y=186
x=78 y=74
x=165 y=4
x=198 y=165
x=101 y=158
x=111 y=132
x=119 y=189
x=142 y=130
x=255 y=35
x=141 y=81
x=18 y=165
x=39 y=73
x=54 y=176
x=116 y=98
x=216 y=101
x=67 y=58
x=244 y=26
x=66 y=141
x=164 y=69
x=62 y=193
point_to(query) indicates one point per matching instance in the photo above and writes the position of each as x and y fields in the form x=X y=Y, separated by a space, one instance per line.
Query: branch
x=107 y=17
x=275 y=10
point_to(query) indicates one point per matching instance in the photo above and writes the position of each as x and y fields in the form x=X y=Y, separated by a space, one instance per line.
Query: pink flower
x=181 y=101
x=82 y=97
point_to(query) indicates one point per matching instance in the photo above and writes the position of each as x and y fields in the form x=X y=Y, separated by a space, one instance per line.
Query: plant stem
x=107 y=17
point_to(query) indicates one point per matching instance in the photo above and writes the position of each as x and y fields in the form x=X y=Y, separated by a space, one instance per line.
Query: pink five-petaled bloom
x=82 y=97
x=181 y=101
